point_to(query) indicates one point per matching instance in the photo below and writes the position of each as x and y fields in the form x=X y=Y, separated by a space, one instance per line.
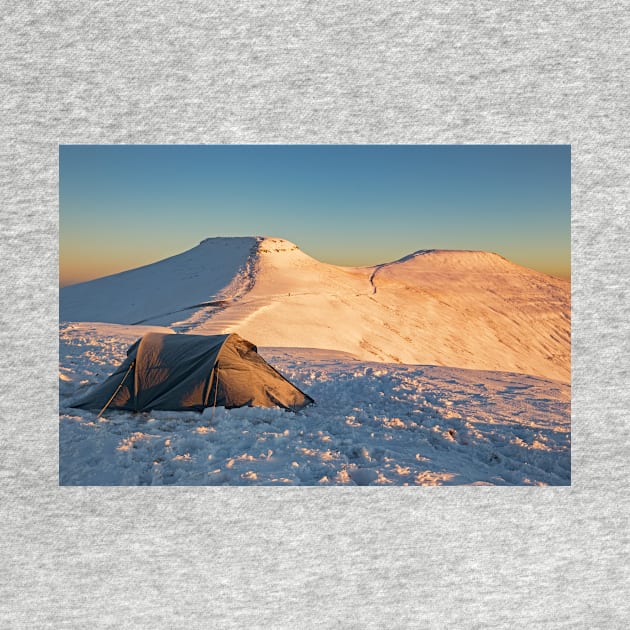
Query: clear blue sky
x=124 y=206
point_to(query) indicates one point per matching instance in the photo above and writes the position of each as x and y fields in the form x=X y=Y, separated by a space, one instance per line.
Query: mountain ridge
x=461 y=308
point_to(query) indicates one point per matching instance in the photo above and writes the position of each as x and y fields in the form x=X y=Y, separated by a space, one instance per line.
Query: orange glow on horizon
x=79 y=265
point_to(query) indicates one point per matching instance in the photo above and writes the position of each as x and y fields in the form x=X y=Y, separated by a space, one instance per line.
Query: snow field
x=374 y=424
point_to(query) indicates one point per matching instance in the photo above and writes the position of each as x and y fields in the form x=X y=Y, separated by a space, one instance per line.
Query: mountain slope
x=216 y=267
x=472 y=310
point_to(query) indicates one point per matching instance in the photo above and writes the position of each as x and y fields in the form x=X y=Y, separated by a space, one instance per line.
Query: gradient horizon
x=123 y=206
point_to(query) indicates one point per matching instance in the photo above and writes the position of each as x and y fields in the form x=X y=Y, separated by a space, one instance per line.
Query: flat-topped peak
x=456 y=259
x=269 y=244
x=229 y=240
x=262 y=243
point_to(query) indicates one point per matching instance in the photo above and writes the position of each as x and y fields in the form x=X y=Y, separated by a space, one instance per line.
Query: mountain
x=462 y=309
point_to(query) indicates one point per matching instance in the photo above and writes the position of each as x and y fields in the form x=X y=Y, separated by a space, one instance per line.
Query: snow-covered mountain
x=457 y=308
x=462 y=309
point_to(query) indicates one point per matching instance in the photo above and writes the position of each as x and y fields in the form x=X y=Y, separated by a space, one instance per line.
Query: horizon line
x=63 y=284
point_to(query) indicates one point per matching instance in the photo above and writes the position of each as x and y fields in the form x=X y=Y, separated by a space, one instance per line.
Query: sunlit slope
x=480 y=309
x=464 y=309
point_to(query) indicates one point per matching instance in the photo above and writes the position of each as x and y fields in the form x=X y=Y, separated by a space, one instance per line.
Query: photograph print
x=315 y=315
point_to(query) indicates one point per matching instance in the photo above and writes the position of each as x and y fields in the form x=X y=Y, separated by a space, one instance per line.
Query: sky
x=123 y=206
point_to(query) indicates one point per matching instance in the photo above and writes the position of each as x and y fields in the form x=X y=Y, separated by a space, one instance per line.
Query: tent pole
x=216 y=391
x=100 y=413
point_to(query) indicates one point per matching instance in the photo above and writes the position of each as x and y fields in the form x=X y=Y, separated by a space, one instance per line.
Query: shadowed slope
x=215 y=268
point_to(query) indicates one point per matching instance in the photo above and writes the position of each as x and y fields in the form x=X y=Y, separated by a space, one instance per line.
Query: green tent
x=180 y=372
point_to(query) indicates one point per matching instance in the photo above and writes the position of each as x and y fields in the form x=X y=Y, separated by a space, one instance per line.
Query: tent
x=180 y=372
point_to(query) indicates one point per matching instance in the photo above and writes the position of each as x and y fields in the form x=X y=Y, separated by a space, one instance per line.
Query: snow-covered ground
x=374 y=424
x=444 y=367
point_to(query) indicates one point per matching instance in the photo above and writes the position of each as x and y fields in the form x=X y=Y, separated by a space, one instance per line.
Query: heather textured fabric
x=326 y=72
x=192 y=372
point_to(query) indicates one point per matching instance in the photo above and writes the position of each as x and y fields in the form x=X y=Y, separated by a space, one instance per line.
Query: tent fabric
x=179 y=372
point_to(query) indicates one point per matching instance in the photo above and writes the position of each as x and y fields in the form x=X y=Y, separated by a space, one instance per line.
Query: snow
x=445 y=367
x=374 y=424
x=170 y=286
x=474 y=310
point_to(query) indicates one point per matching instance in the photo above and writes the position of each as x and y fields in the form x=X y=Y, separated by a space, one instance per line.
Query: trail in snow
x=202 y=305
x=378 y=268
x=372 y=275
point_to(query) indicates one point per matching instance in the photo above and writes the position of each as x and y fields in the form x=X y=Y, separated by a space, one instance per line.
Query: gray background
x=108 y=72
